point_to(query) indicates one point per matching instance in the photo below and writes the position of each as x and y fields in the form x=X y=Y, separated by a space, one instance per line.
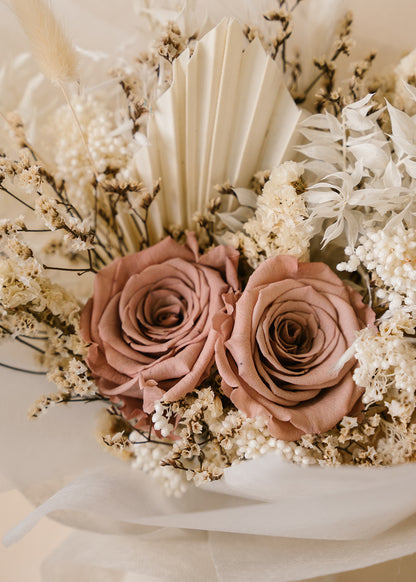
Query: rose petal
x=292 y=324
x=150 y=322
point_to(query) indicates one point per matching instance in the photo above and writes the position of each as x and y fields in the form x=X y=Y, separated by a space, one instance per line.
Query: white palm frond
x=226 y=115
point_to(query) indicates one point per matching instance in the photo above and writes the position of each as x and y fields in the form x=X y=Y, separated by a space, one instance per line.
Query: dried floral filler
x=219 y=248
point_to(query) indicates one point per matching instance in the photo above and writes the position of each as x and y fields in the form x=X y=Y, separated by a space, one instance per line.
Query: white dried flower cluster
x=196 y=448
x=148 y=457
x=110 y=144
x=397 y=445
x=405 y=73
x=18 y=286
x=78 y=376
x=387 y=365
x=391 y=255
x=160 y=419
x=9 y=227
x=254 y=439
x=209 y=438
x=30 y=179
x=199 y=451
x=21 y=274
x=119 y=442
x=279 y=226
x=23 y=172
x=44 y=316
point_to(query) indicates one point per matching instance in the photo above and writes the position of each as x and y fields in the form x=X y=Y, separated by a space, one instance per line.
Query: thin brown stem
x=22 y=341
x=14 y=368
x=80 y=271
x=17 y=198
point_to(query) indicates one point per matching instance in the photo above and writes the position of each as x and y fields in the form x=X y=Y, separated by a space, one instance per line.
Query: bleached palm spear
x=50 y=45
x=226 y=115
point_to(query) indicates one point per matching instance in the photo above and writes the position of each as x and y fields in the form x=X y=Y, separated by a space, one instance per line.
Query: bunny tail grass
x=51 y=47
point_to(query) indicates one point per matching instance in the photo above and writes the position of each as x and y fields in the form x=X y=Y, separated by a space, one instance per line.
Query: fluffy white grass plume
x=51 y=47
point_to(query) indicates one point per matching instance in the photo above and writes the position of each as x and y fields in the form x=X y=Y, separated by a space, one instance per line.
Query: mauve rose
x=279 y=344
x=149 y=322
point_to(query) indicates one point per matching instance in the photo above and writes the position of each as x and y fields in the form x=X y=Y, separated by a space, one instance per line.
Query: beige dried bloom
x=17 y=128
x=47 y=209
x=279 y=226
x=44 y=403
x=172 y=43
x=9 y=227
x=30 y=179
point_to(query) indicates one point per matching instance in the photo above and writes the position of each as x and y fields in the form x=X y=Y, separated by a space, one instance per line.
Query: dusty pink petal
x=130 y=387
x=96 y=360
x=132 y=409
x=274 y=270
x=225 y=261
x=292 y=324
x=318 y=416
x=113 y=278
x=118 y=353
x=150 y=322
x=174 y=365
x=197 y=374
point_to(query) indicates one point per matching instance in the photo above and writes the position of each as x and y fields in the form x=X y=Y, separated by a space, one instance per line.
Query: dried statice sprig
x=283 y=16
x=36 y=190
x=43 y=316
x=173 y=43
x=54 y=53
x=279 y=225
x=326 y=65
x=144 y=80
x=197 y=451
x=384 y=433
x=357 y=85
x=275 y=38
x=209 y=435
x=116 y=201
x=227 y=212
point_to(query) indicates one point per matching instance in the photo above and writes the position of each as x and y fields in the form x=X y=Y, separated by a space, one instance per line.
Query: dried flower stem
x=22 y=341
x=14 y=368
x=4 y=189
x=79 y=271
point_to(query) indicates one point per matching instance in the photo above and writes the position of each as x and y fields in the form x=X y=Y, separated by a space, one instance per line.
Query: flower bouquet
x=214 y=247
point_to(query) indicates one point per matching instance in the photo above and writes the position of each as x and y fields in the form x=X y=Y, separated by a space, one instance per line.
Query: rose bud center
x=164 y=308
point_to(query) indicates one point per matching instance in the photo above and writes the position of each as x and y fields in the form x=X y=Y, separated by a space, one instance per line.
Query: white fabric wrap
x=266 y=515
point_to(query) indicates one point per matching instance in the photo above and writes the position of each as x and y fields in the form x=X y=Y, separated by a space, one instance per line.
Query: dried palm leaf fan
x=226 y=115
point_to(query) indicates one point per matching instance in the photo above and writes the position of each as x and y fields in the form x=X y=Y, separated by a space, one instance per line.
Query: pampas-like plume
x=50 y=46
